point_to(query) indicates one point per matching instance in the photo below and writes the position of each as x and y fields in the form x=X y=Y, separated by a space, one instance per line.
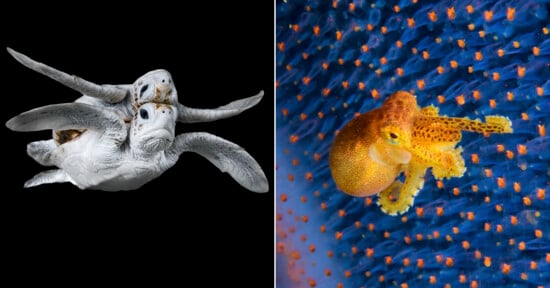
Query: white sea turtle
x=155 y=86
x=105 y=157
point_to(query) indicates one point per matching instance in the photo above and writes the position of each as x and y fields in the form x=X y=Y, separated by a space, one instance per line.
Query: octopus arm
x=399 y=197
x=492 y=124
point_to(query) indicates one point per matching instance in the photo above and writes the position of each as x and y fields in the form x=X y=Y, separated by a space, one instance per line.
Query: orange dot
x=460 y=100
x=325 y=65
x=496 y=76
x=516 y=44
x=398 y=44
x=475 y=158
x=303 y=116
x=462 y=278
x=538 y=233
x=284 y=197
x=521 y=246
x=369 y=252
x=374 y=94
x=505 y=268
x=326 y=92
x=330 y=253
x=433 y=280
x=499 y=228
x=533 y=265
x=456 y=191
x=481 y=33
x=455 y=230
x=470 y=216
x=451 y=13
x=500 y=52
x=526 y=201
x=542 y=130
x=487 y=227
x=351 y=7
x=399 y=71
x=361 y=85
x=501 y=182
x=465 y=245
x=509 y=154
x=514 y=220
x=323 y=229
x=396 y=8
x=419 y=211
x=381 y=278
x=290 y=177
x=547 y=257
x=386 y=234
x=305 y=219
x=312 y=283
x=328 y=272
x=414 y=50
x=388 y=260
x=522 y=149
x=370 y=27
x=407 y=239
x=305 y=55
x=475 y=188
x=439 y=258
x=435 y=234
x=478 y=56
x=432 y=16
x=461 y=43
x=487 y=261
x=425 y=55
x=509 y=96
x=471 y=26
x=410 y=22
x=306 y=80
x=470 y=9
x=406 y=262
x=449 y=262
x=345 y=84
x=510 y=14
x=316 y=30
x=454 y=64
x=521 y=71
x=338 y=235
x=341 y=61
x=371 y=227
x=439 y=211
x=470 y=69
x=347 y=273
x=357 y=62
x=477 y=254
x=419 y=237
x=383 y=29
x=368 y=202
x=339 y=35
x=441 y=99
x=281 y=46
x=473 y=284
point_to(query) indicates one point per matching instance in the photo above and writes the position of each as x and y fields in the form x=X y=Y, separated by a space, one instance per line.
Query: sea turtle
x=109 y=156
x=155 y=86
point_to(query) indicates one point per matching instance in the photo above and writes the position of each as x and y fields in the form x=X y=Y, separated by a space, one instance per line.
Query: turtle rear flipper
x=47 y=177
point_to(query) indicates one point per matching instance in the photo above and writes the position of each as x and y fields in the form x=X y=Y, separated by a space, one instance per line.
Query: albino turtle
x=105 y=157
x=155 y=86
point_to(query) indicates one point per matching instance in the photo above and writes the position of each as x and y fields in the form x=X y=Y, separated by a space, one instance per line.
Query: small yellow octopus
x=374 y=148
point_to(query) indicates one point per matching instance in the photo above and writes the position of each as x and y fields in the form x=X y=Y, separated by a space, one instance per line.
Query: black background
x=191 y=223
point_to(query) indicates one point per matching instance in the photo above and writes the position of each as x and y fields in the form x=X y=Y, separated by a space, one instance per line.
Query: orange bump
x=506 y=268
x=433 y=280
x=478 y=56
x=470 y=215
x=509 y=96
x=323 y=205
x=357 y=62
x=461 y=43
x=330 y=253
x=321 y=136
x=455 y=230
x=303 y=116
x=351 y=7
x=284 y=197
x=365 y=48
x=339 y=35
x=407 y=239
x=471 y=26
x=374 y=94
x=474 y=284
x=521 y=71
x=545 y=30
x=328 y=272
x=477 y=254
x=439 y=211
x=386 y=234
x=514 y=220
x=388 y=260
x=305 y=219
x=526 y=201
x=396 y=8
x=432 y=16
x=347 y=273
x=465 y=245
x=498 y=207
x=369 y=252
x=410 y=22
x=500 y=52
x=501 y=182
x=538 y=233
x=305 y=55
x=481 y=33
x=524 y=116
x=533 y=265
x=398 y=44
x=295 y=255
x=509 y=154
x=454 y=64
x=547 y=257
x=399 y=71
x=475 y=188
x=451 y=13
x=499 y=228
x=456 y=191
x=341 y=61
x=281 y=46
x=470 y=9
x=316 y=30
x=325 y=65
x=439 y=258
x=440 y=69
x=323 y=229
x=460 y=100
x=462 y=278
x=476 y=94
x=383 y=29
x=326 y=92
x=345 y=84
x=338 y=235
x=500 y=148
x=341 y=213
x=440 y=99
x=357 y=224
x=510 y=14
x=361 y=85
x=521 y=246
x=312 y=282
x=381 y=278
x=516 y=44
x=440 y=184
x=404 y=219
x=306 y=80
x=470 y=69
x=487 y=261
x=368 y=202
x=425 y=55
x=517 y=187
x=488 y=15
x=383 y=61
x=406 y=262
x=449 y=262
x=496 y=76
x=435 y=234
x=370 y=27
x=414 y=50
x=542 y=130
x=522 y=149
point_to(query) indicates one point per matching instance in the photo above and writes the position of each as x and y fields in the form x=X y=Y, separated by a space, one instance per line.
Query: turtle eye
x=143 y=114
x=143 y=89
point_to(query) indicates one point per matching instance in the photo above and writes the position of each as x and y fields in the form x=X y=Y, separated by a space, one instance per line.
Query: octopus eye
x=393 y=135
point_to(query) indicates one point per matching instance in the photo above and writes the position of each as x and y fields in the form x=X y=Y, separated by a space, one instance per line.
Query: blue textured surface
x=493 y=226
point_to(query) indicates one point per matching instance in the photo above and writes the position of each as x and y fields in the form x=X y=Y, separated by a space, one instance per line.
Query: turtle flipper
x=47 y=177
x=68 y=116
x=194 y=115
x=40 y=151
x=110 y=93
x=227 y=156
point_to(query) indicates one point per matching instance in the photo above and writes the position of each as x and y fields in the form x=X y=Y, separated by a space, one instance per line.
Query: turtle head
x=153 y=128
x=156 y=86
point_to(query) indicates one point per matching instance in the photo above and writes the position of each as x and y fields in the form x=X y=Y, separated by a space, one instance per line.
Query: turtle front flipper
x=109 y=93
x=48 y=177
x=41 y=151
x=399 y=197
x=227 y=156
x=195 y=115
